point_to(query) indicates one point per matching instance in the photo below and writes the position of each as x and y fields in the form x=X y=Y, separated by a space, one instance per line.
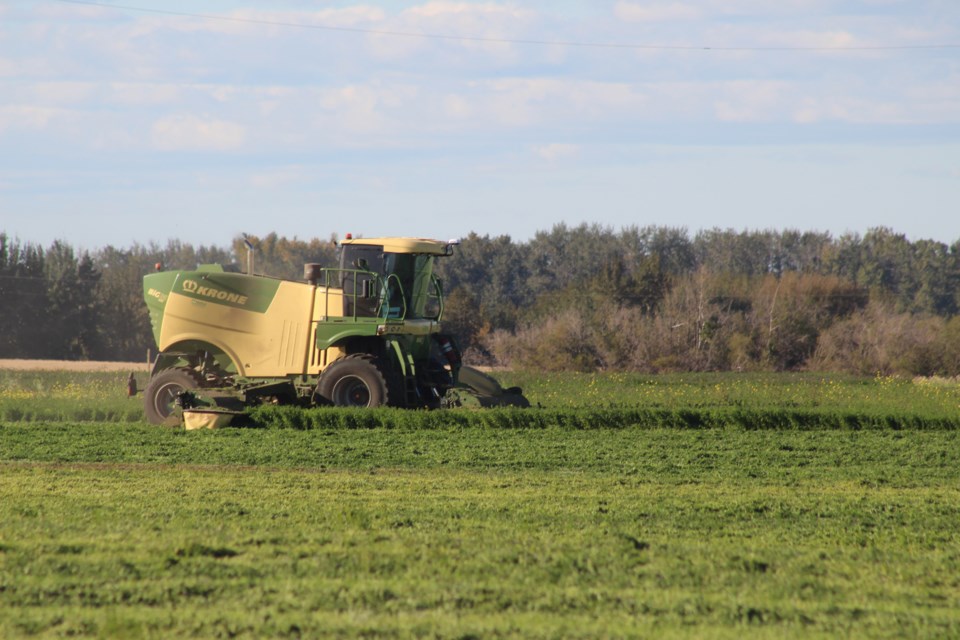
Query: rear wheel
x=354 y=381
x=160 y=395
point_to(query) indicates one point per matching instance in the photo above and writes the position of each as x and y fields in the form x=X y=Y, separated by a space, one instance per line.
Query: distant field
x=70 y=365
x=796 y=506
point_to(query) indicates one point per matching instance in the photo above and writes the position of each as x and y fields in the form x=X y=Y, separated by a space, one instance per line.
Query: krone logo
x=193 y=287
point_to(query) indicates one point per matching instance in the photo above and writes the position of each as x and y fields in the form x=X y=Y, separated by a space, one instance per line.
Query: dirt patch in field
x=71 y=365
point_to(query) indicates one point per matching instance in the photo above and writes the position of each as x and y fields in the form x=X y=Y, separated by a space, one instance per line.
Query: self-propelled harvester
x=364 y=334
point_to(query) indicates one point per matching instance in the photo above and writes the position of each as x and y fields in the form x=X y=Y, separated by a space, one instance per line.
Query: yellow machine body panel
x=328 y=302
x=273 y=343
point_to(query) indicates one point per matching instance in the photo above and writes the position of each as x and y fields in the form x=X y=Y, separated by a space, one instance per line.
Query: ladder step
x=410 y=382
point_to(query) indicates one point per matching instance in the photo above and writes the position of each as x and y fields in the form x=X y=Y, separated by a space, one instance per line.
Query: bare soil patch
x=70 y=365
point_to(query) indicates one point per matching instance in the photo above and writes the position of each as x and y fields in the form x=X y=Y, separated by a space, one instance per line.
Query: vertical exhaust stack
x=250 y=251
x=313 y=273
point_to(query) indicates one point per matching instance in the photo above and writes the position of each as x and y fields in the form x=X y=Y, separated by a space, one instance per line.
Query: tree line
x=588 y=297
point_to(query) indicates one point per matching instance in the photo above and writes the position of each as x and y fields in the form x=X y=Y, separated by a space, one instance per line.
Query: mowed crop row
x=752 y=401
x=334 y=524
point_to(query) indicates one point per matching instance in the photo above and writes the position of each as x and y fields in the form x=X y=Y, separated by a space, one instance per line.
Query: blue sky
x=122 y=123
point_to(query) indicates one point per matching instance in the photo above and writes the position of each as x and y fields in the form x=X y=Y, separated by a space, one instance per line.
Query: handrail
x=336 y=279
x=385 y=300
x=438 y=287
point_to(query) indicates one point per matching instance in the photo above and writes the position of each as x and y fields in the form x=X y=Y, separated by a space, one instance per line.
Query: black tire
x=354 y=381
x=160 y=395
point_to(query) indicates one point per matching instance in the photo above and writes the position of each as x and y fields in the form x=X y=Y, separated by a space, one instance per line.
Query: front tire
x=354 y=381
x=160 y=395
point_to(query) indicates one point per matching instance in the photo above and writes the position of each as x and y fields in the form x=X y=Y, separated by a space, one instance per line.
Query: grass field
x=425 y=524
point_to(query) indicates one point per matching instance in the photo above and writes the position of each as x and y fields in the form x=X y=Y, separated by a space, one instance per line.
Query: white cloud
x=10 y=67
x=813 y=39
x=849 y=110
x=810 y=111
x=51 y=94
x=938 y=102
x=750 y=101
x=254 y=22
x=557 y=151
x=467 y=10
x=143 y=94
x=457 y=107
x=540 y=101
x=766 y=10
x=662 y=12
x=361 y=108
x=19 y=117
x=57 y=12
x=473 y=22
x=194 y=133
x=278 y=177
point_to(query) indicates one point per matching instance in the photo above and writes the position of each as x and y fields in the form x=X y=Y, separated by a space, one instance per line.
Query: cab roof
x=403 y=245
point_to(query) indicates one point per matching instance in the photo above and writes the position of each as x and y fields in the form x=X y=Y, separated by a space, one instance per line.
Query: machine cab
x=391 y=278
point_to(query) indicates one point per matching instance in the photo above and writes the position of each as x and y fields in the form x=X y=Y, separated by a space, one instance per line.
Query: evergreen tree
x=71 y=315
x=22 y=298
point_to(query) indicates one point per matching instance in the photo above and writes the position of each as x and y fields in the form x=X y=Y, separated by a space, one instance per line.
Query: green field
x=626 y=506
